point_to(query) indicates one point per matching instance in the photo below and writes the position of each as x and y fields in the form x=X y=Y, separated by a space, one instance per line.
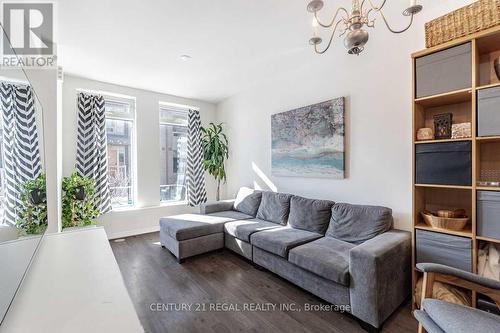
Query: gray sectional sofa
x=348 y=255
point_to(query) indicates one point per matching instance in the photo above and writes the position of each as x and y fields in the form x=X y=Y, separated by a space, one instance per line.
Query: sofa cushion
x=459 y=318
x=232 y=214
x=280 y=240
x=357 y=223
x=248 y=201
x=188 y=226
x=309 y=214
x=274 y=207
x=327 y=257
x=244 y=229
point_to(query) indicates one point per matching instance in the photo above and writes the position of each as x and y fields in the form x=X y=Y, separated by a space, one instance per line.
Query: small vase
x=80 y=193
x=497 y=67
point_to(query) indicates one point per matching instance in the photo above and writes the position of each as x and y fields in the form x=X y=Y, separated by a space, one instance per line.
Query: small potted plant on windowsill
x=78 y=207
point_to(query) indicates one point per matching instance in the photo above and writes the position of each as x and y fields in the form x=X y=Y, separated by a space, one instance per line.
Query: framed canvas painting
x=309 y=141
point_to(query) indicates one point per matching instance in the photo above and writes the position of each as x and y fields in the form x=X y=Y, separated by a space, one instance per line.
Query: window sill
x=173 y=203
x=161 y=205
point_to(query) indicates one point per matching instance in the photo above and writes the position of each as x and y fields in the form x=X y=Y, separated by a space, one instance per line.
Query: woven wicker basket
x=455 y=224
x=467 y=20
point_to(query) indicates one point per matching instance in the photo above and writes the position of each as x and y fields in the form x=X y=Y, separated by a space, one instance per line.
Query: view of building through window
x=120 y=130
x=173 y=154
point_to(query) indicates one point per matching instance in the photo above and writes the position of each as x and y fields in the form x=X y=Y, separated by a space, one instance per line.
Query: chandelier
x=351 y=23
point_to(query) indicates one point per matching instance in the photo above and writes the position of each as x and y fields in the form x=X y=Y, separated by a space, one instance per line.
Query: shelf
x=497 y=84
x=488 y=188
x=467 y=232
x=444 y=140
x=459 y=187
x=453 y=97
x=486 y=239
x=488 y=138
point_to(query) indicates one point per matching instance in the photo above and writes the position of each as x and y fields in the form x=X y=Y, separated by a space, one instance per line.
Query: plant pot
x=80 y=193
x=37 y=196
x=497 y=67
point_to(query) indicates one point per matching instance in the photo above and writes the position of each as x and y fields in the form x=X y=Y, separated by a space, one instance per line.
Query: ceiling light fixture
x=352 y=23
x=185 y=57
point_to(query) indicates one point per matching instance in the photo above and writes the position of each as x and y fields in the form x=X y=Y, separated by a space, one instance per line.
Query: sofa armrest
x=216 y=206
x=380 y=271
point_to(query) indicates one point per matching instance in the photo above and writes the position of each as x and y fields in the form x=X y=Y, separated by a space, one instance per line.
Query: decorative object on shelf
x=449 y=223
x=352 y=22
x=32 y=207
x=490 y=176
x=461 y=131
x=78 y=205
x=488 y=184
x=457 y=213
x=496 y=64
x=478 y=16
x=425 y=134
x=309 y=141
x=215 y=153
x=442 y=126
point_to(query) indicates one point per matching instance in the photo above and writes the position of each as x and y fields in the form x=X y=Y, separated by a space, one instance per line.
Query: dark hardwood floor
x=153 y=277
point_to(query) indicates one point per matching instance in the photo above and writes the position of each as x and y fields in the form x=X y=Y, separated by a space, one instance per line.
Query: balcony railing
x=172 y=192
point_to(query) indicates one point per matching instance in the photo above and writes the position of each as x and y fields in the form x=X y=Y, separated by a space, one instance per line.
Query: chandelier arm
x=375 y=8
x=330 y=41
x=333 y=19
x=391 y=29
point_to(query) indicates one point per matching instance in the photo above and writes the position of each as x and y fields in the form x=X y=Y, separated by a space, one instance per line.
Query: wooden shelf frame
x=482 y=43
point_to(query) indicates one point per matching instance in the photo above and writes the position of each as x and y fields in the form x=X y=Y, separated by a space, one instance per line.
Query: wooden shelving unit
x=485 y=150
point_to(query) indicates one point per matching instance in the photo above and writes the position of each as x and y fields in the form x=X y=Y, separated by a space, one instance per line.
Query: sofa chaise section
x=191 y=234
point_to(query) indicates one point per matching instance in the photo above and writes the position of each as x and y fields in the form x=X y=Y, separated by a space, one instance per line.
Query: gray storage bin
x=488 y=112
x=444 y=71
x=488 y=214
x=438 y=248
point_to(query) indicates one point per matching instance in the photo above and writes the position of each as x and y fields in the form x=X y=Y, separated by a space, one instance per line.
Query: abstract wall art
x=309 y=141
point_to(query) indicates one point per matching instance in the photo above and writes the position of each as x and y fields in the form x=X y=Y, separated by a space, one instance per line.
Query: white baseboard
x=133 y=232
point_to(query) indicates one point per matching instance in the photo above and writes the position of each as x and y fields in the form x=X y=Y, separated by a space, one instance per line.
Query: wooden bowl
x=448 y=223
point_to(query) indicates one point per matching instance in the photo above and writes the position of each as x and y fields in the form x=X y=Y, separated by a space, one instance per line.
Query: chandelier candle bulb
x=315 y=26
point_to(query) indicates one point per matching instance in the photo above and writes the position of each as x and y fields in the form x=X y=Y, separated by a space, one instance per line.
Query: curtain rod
x=105 y=93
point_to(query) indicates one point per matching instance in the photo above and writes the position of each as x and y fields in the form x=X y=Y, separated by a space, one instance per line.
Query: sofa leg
x=369 y=328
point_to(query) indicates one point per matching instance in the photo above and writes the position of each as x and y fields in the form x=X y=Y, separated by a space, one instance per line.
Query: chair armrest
x=216 y=206
x=380 y=271
x=458 y=273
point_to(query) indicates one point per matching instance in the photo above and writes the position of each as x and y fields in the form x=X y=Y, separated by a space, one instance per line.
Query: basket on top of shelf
x=478 y=16
x=442 y=222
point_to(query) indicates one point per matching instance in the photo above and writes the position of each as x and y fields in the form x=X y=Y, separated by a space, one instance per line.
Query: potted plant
x=215 y=153
x=32 y=208
x=78 y=207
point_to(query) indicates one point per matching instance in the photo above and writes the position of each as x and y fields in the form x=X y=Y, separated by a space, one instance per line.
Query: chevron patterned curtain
x=91 y=148
x=195 y=173
x=20 y=143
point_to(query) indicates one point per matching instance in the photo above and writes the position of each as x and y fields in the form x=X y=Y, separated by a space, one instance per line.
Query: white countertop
x=74 y=285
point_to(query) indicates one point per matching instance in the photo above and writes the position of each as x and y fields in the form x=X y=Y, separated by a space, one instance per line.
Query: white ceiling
x=234 y=44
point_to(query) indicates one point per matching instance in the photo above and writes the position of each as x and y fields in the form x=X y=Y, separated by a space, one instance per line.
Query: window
x=173 y=153
x=120 y=117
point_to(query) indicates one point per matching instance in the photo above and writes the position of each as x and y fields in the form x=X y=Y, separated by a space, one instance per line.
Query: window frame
x=132 y=118
x=177 y=108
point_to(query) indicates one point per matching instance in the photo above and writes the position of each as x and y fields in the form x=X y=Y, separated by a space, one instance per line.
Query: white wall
x=377 y=85
x=147 y=211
